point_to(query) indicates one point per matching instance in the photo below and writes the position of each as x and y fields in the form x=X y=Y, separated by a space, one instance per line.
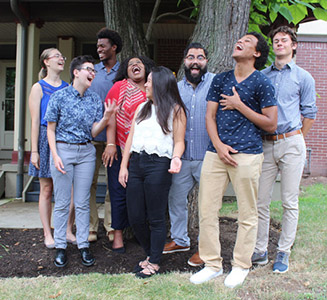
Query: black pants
x=117 y=193
x=147 y=197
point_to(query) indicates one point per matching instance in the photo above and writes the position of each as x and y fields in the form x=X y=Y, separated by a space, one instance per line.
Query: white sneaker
x=236 y=277
x=204 y=275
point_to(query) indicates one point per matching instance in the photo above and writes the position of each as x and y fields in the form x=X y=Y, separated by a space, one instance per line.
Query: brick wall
x=312 y=57
x=169 y=53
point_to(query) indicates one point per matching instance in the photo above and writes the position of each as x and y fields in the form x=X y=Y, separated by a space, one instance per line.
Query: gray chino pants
x=79 y=164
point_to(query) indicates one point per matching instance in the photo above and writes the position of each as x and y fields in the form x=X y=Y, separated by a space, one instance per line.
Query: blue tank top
x=47 y=91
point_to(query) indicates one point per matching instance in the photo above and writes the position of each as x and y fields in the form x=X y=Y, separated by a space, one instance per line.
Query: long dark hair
x=165 y=96
x=122 y=70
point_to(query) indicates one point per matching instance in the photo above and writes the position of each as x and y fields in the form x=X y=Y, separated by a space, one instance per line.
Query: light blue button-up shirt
x=295 y=93
x=196 y=136
x=101 y=84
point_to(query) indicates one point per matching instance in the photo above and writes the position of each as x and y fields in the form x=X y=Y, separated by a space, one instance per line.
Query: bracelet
x=175 y=157
x=110 y=145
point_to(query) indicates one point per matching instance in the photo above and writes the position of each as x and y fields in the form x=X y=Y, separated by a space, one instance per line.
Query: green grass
x=306 y=280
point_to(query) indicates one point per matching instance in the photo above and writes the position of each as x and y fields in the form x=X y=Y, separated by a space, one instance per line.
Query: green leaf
x=254 y=27
x=320 y=14
x=323 y=3
x=299 y=12
x=272 y=16
x=305 y=3
x=285 y=12
x=259 y=6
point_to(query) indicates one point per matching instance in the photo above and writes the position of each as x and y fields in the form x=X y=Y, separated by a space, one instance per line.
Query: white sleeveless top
x=149 y=137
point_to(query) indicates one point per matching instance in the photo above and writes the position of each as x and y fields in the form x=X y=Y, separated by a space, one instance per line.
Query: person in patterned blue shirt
x=241 y=102
x=74 y=116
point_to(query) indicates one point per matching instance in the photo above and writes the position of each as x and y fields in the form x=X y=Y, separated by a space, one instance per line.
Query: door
x=7 y=102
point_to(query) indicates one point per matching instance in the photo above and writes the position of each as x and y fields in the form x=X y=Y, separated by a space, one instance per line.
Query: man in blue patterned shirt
x=193 y=89
x=240 y=102
x=285 y=150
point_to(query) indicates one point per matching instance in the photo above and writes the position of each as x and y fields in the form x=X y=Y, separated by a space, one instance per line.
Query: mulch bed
x=23 y=254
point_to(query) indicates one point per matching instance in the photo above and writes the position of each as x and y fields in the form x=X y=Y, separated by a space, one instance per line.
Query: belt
x=277 y=137
x=79 y=144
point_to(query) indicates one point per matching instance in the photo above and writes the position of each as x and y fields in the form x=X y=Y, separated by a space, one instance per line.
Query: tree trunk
x=220 y=24
x=124 y=17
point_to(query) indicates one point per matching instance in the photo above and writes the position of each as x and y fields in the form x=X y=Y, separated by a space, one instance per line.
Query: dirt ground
x=23 y=254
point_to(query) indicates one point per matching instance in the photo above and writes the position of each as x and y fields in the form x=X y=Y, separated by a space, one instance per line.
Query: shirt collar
x=76 y=93
x=114 y=68
x=289 y=65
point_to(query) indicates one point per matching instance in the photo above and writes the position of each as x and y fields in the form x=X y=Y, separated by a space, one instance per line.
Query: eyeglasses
x=89 y=69
x=58 y=56
x=192 y=57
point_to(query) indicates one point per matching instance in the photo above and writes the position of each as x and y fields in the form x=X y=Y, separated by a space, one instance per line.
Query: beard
x=195 y=79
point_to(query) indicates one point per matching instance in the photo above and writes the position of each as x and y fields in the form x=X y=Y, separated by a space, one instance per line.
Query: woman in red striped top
x=128 y=92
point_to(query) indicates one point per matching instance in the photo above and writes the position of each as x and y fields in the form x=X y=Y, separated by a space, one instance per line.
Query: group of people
x=158 y=139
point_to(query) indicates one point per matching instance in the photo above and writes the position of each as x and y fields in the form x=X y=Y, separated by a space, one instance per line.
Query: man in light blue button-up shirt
x=109 y=44
x=285 y=151
x=193 y=89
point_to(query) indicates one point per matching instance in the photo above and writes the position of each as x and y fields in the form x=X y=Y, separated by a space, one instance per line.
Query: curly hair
x=113 y=37
x=261 y=47
x=122 y=71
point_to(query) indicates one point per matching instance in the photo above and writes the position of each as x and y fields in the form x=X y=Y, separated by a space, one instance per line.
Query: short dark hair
x=113 y=37
x=287 y=30
x=261 y=47
x=195 y=45
x=77 y=62
x=122 y=71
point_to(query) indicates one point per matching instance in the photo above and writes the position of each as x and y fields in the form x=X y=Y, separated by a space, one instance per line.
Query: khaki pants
x=94 y=218
x=215 y=176
x=286 y=156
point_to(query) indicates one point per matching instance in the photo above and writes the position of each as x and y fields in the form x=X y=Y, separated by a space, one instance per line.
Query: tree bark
x=220 y=24
x=124 y=17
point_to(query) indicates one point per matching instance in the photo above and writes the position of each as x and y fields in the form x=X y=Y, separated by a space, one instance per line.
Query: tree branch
x=175 y=13
x=152 y=21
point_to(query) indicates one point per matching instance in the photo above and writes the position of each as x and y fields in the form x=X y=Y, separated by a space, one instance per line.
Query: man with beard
x=193 y=89
x=109 y=44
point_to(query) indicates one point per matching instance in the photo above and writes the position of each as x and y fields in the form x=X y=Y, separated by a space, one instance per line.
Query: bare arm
x=34 y=102
x=306 y=125
x=123 y=173
x=222 y=149
x=110 y=152
x=267 y=120
x=179 y=128
x=51 y=131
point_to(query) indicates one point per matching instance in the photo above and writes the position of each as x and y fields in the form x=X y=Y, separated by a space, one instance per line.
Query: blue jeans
x=147 y=197
x=182 y=184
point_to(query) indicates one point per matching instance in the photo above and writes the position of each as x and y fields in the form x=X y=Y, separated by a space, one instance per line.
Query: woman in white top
x=153 y=150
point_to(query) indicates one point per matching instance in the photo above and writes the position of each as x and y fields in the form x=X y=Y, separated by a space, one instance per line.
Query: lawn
x=306 y=279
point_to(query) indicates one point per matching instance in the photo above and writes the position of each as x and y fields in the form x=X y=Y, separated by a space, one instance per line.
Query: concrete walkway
x=17 y=214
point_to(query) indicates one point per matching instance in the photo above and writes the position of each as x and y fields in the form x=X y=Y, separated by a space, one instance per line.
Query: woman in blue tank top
x=52 y=64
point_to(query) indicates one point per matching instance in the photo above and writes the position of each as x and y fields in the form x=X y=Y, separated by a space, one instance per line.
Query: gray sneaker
x=281 y=262
x=259 y=258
